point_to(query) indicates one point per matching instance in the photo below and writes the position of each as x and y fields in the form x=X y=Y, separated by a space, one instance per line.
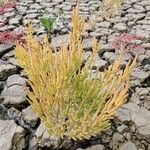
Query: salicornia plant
x=69 y=102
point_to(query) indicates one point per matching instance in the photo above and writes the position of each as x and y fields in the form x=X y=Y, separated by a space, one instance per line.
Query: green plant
x=48 y=23
x=69 y=102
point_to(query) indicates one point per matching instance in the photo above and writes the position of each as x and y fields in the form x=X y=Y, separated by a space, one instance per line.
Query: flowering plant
x=10 y=37
x=127 y=43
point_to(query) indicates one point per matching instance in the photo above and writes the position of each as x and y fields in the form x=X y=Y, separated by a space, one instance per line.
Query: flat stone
x=142 y=57
x=135 y=83
x=13 y=61
x=87 y=44
x=142 y=91
x=16 y=79
x=141 y=32
x=104 y=24
x=120 y=27
x=15 y=21
x=139 y=115
x=30 y=116
x=15 y=94
x=100 y=63
x=9 y=14
x=140 y=74
x=135 y=98
x=136 y=11
x=12 y=136
x=6 y=70
x=5 y=48
x=139 y=7
x=128 y=146
x=8 y=55
x=57 y=41
x=31 y=16
x=133 y=17
x=36 y=6
x=1 y=86
x=86 y=55
x=44 y=138
x=122 y=129
x=144 y=3
x=116 y=141
x=96 y=147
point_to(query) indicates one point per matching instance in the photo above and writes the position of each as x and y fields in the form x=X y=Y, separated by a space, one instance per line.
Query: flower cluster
x=10 y=37
x=127 y=43
x=6 y=6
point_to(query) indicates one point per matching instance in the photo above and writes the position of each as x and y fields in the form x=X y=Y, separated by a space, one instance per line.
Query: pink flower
x=127 y=43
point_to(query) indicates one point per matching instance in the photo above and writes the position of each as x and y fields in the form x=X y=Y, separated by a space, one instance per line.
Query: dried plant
x=69 y=102
x=109 y=8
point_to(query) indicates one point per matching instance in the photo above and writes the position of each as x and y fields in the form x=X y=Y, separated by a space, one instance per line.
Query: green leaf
x=48 y=23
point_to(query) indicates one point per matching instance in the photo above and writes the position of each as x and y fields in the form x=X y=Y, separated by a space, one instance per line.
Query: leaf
x=48 y=23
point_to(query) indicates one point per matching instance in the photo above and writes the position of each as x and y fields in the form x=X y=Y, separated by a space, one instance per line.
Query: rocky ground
x=21 y=129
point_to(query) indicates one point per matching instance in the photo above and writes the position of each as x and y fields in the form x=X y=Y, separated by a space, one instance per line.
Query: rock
x=35 y=6
x=15 y=79
x=141 y=32
x=1 y=86
x=142 y=57
x=86 y=55
x=96 y=147
x=117 y=139
x=120 y=27
x=8 y=55
x=5 y=48
x=142 y=91
x=44 y=139
x=139 y=115
x=128 y=146
x=135 y=98
x=6 y=70
x=14 y=62
x=100 y=63
x=29 y=116
x=9 y=14
x=57 y=41
x=15 y=21
x=14 y=94
x=104 y=24
x=12 y=137
x=140 y=74
x=122 y=129
x=135 y=83
x=87 y=44
x=31 y=16
x=109 y=56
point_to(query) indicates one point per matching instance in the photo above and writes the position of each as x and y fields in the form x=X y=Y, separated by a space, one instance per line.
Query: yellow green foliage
x=64 y=96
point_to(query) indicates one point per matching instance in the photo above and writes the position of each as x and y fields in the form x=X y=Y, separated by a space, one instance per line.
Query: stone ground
x=20 y=128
